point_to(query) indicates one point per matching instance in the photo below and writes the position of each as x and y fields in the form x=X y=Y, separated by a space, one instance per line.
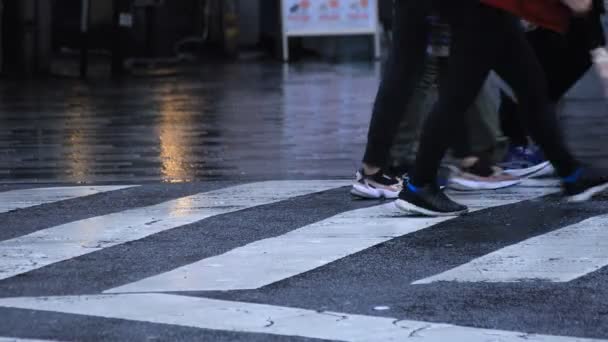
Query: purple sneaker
x=522 y=162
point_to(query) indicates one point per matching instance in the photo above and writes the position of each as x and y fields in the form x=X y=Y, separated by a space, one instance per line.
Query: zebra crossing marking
x=266 y=261
x=271 y=260
x=221 y=315
x=63 y=242
x=346 y=231
x=15 y=339
x=559 y=256
x=25 y=198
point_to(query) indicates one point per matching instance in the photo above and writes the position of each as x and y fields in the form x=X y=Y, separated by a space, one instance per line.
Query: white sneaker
x=376 y=186
x=543 y=169
x=469 y=182
x=473 y=177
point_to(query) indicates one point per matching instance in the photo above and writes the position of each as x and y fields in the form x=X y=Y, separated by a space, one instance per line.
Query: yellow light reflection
x=78 y=141
x=175 y=139
x=183 y=207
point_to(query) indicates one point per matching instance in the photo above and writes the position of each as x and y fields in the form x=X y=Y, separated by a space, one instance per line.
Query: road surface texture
x=214 y=206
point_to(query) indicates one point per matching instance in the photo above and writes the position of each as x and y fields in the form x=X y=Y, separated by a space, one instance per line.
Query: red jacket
x=551 y=14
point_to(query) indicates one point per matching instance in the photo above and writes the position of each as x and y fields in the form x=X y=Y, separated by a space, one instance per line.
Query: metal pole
x=44 y=35
x=284 y=37
x=1 y=33
x=118 y=33
x=150 y=24
x=84 y=31
x=1 y=40
x=28 y=18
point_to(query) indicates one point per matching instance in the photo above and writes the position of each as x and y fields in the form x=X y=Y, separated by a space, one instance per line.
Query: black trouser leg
x=564 y=58
x=512 y=121
x=403 y=71
x=468 y=66
x=519 y=67
x=486 y=39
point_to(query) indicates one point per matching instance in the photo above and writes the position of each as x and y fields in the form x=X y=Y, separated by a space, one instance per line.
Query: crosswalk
x=270 y=260
x=21 y=199
x=559 y=256
x=73 y=239
x=181 y=294
x=11 y=339
x=267 y=319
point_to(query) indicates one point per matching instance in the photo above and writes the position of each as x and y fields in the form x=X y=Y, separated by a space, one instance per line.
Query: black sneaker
x=585 y=184
x=400 y=169
x=376 y=186
x=428 y=201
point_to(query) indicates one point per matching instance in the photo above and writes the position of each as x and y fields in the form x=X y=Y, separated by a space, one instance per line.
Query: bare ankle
x=369 y=169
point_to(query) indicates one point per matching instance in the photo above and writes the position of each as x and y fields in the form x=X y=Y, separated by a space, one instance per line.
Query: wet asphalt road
x=224 y=126
x=244 y=121
x=261 y=121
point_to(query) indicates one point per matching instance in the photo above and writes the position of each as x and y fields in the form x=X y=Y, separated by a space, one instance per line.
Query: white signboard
x=328 y=18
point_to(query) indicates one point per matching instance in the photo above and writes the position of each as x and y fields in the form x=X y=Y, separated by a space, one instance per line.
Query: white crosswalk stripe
x=14 y=339
x=559 y=256
x=267 y=319
x=21 y=199
x=55 y=244
x=271 y=260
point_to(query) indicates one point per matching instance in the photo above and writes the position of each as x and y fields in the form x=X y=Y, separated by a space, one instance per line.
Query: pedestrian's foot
x=428 y=201
x=403 y=171
x=376 y=186
x=526 y=162
x=585 y=184
x=478 y=174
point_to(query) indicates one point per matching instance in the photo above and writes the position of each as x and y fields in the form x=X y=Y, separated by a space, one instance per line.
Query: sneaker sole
x=469 y=185
x=587 y=195
x=414 y=209
x=368 y=193
x=529 y=172
x=549 y=171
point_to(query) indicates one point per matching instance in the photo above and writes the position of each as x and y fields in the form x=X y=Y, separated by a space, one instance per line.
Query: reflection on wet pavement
x=240 y=121
x=234 y=121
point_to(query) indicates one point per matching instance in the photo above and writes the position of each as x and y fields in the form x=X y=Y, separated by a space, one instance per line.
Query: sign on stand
x=309 y=18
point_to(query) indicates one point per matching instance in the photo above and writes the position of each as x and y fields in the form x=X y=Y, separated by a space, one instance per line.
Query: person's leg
x=385 y=16
x=519 y=67
x=468 y=66
x=478 y=153
x=564 y=61
x=564 y=58
x=474 y=147
x=511 y=122
x=402 y=74
x=484 y=134
x=586 y=34
x=484 y=38
x=474 y=47
x=573 y=61
x=405 y=146
x=519 y=158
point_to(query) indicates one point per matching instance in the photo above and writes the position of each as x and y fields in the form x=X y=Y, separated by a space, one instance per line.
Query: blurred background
x=184 y=90
x=104 y=37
